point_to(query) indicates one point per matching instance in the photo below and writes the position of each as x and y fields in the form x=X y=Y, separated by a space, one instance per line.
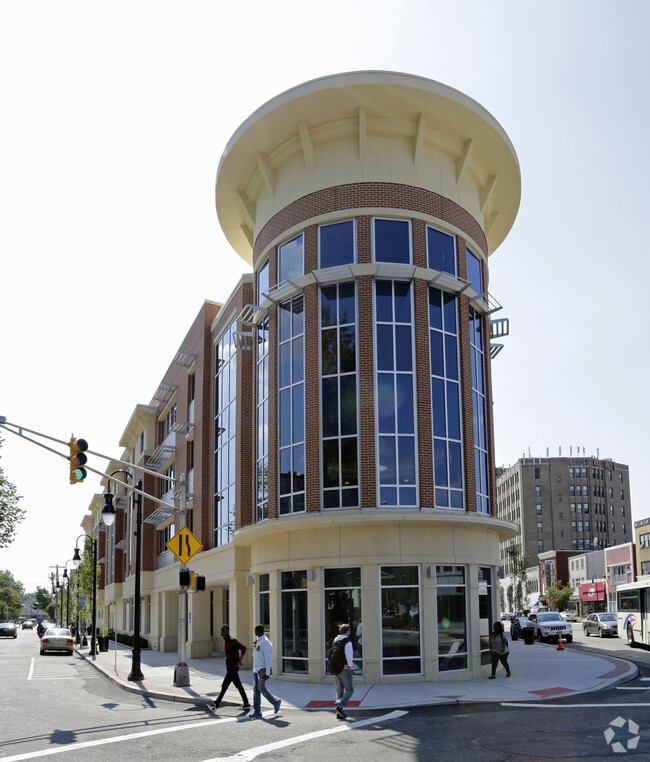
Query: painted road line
x=31 y=669
x=115 y=739
x=563 y=706
x=250 y=754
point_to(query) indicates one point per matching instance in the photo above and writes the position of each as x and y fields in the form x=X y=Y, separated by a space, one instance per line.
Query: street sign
x=184 y=545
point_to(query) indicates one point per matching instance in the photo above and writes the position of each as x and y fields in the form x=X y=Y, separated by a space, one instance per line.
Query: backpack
x=336 y=660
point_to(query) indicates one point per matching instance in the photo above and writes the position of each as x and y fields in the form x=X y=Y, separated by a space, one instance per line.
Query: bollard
x=560 y=644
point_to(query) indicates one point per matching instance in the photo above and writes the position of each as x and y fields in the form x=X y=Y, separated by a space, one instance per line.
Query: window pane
x=337 y=244
x=347 y=303
x=402 y=302
x=405 y=413
x=291 y=261
x=384 y=350
x=474 y=272
x=385 y=406
x=348 y=405
x=392 y=241
x=384 y=301
x=298 y=413
x=330 y=404
x=441 y=251
x=387 y=460
x=348 y=338
x=349 y=461
x=403 y=353
x=331 y=463
x=328 y=309
x=329 y=352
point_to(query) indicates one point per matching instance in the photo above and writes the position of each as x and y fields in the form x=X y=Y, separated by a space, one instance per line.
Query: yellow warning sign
x=184 y=545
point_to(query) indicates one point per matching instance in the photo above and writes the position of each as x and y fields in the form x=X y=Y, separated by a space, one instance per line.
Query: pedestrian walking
x=498 y=650
x=341 y=665
x=234 y=651
x=262 y=655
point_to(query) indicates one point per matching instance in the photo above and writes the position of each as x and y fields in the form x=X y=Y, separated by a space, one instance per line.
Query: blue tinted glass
x=285 y=417
x=453 y=410
x=384 y=301
x=437 y=363
x=438 y=402
x=349 y=498
x=402 y=302
x=349 y=461
x=348 y=339
x=450 y=313
x=385 y=347
x=451 y=356
x=475 y=415
x=441 y=251
x=388 y=496
x=435 y=310
x=331 y=463
x=298 y=315
x=405 y=423
x=407 y=496
x=285 y=471
x=298 y=360
x=299 y=468
x=455 y=465
x=392 y=241
x=440 y=462
x=406 y=446
x=348 y=405
x=298 y=503
x=403 y=349
x=328 y=306
x=298 y=413
x=285 y=364
x=474 y=272
x=347 y=303
x=291 y=263
x=330 y=403
x=337 y=244
x=387 y=460
x=456 y=499
x=385 y=403
x=442 y=498
x=329 y=351
x=262 y=282
x=285 y=321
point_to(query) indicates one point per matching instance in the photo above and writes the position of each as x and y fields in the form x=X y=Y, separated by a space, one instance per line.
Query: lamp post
x=108 y=517
x=76 y=560
x=67 y=584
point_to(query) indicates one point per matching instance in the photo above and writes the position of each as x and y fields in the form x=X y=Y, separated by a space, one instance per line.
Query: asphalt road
x=60 y=707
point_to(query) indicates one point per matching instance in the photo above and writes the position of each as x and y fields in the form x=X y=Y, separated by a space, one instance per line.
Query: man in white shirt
x=343 y=681
x=262 y=655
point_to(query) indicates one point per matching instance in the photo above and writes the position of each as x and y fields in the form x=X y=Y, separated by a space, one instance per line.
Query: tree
x=43 y=601
x=10 y=513
x=557 y=596
x=85 y=579
x=518 y=565
x=11 y=594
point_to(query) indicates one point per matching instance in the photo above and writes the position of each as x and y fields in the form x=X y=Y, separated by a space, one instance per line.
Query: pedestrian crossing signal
x=78 y=459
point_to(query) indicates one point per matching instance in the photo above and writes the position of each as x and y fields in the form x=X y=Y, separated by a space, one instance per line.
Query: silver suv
x=548 y=625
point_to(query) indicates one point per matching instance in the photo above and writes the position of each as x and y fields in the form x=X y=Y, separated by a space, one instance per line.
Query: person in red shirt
x=234 y=651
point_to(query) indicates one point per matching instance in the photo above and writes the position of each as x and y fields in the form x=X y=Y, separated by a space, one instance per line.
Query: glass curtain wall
x=400 y=620
x=452 y=617
x=294 y=621
x=225 y=437
x=486 y=611
x=343 y=605
x=262 y=361
x=479 y=404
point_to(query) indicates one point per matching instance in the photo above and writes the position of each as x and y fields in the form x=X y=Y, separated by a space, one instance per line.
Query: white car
x=549 y=625
x=569 y=616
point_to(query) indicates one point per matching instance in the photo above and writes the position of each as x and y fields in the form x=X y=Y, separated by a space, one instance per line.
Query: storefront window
x=400 y=620
x=294 y=622
x=343 y=605
x=485 y=611
x=452 y=618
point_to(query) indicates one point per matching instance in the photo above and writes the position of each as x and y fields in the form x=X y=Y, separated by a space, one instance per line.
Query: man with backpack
x=341 y=664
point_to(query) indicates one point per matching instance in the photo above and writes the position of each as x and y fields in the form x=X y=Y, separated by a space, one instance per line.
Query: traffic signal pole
x=181 y=670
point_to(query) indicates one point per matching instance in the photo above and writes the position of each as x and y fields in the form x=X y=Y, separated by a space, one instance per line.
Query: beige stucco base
x=316 y=542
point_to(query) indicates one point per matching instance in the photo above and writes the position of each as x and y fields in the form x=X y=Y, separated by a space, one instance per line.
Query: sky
x=113 y=118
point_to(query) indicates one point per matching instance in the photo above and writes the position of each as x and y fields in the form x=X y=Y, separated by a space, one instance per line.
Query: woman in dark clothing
x=498 y=649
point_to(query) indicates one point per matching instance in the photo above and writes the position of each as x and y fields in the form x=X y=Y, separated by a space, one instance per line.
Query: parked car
x=57 y=639
x=603 y=625
x=518 y=625
x=549 y=625
x=8 y=630
x=569 y=615
x=28 y=624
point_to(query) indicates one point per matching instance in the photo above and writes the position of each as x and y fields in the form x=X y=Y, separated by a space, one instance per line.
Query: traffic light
x=185 y=577
x=78 y=459
x=200 y=583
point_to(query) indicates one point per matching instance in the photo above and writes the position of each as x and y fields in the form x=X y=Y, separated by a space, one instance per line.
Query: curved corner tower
x=368 y=204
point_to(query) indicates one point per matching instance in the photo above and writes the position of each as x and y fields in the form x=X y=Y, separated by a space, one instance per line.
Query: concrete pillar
x=198 y=625
x=169 y=621
x=240 y=616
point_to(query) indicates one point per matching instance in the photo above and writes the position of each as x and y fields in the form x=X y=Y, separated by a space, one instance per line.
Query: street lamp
x=108 y=517
x=76 y=560
x=67 y=584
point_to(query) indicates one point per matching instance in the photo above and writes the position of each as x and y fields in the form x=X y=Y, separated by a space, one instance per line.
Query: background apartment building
x=570 y=504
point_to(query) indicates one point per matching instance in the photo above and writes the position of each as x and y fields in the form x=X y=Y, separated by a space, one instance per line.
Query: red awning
x=592 y=591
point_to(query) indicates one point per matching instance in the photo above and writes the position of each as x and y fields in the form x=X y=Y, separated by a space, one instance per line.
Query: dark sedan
x=8 y=630
x=601 y=624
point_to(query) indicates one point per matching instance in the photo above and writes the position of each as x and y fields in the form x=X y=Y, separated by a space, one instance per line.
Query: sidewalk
x=539 y=672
